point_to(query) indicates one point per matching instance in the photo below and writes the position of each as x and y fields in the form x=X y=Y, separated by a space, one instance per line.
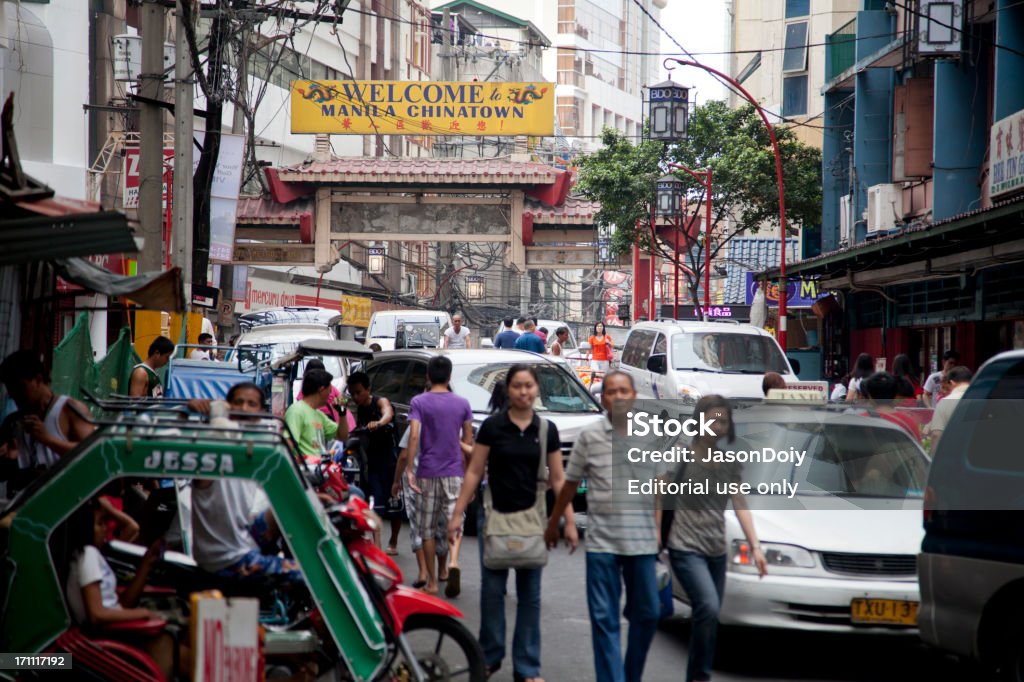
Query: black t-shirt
x=513 y=460
x=381 y=443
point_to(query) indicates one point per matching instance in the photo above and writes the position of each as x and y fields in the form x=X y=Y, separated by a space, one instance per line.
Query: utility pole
x=181 y=234
x=227 y=272
x=151 y=145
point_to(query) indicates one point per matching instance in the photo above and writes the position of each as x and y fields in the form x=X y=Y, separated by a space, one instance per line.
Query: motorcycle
x=420 y=625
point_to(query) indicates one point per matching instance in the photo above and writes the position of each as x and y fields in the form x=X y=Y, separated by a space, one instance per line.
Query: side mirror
x=360 y=336
x=658 y=364
x=585 y=346
x=486 y=343
x=795 y=364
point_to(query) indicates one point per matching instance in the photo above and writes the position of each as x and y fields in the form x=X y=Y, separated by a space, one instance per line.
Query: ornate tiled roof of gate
x=420 y=170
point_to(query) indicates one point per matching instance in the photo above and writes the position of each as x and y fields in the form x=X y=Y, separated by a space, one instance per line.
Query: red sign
x=133 y=175
x=111 y=262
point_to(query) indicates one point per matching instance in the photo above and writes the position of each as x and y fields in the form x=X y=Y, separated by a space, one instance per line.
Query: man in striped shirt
x=622 y=544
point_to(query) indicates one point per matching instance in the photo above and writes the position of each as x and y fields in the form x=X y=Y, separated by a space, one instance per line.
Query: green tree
x=734 y=143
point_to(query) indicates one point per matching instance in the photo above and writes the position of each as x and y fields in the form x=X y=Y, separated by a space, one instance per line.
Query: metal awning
x=971 y=241
x=152 y=290
x=46 y=237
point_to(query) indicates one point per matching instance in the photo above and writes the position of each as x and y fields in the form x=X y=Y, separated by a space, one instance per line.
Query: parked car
x=383 y=326
x=282 y=339
x=972 y=558
x=843 y=559
x=402 y=374
x=688 y=360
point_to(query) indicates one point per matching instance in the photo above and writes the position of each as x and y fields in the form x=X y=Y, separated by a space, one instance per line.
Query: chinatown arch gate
x=336 y=202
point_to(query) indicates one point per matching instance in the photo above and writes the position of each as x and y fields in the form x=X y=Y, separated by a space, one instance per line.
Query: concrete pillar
x=960 y=105
x=1009 y=67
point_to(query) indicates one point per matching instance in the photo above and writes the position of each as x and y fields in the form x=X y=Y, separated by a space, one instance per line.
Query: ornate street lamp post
x=778 y=173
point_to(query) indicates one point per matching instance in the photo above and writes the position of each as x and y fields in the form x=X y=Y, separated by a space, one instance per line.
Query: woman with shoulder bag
x=513 y=519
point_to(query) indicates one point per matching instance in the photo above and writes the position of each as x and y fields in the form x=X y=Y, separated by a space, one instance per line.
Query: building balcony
x=842 y=49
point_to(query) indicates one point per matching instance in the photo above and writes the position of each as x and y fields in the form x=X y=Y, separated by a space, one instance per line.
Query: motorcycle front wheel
x=444 y=649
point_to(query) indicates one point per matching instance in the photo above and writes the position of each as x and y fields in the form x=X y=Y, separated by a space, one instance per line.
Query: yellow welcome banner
x=423 y=108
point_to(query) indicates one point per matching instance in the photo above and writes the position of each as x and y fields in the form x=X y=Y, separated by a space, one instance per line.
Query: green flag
x=73 y=362
x=112 y=372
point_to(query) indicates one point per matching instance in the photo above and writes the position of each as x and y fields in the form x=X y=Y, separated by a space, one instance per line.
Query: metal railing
x=842 y=49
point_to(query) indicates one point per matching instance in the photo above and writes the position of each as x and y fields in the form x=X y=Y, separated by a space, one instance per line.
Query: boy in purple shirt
x=437 y=419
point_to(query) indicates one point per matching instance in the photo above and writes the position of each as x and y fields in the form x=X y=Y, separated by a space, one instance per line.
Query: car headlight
x=689 y=394
x=775 y=554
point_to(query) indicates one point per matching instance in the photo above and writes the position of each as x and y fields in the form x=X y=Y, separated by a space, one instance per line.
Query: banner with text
x=422 y=108
x=1006 y=144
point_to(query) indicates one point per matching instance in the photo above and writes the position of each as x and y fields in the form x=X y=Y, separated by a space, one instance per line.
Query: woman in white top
x=862 y=369
x=92 y=586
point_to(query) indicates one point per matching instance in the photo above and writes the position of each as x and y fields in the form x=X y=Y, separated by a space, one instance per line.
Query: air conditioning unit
x=845 y=220
x=885 y=207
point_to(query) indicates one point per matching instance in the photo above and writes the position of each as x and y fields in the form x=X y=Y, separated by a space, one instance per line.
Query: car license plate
x=883 y=611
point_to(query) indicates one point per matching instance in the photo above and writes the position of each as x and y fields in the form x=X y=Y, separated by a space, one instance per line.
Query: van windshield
x=727 y=353
x=258 y=352
x=385 y=327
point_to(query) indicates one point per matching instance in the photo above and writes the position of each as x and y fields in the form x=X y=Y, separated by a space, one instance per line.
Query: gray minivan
x=971 y=566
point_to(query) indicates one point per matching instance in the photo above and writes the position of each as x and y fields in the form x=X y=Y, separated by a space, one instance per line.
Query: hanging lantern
x=669 y=196
x=475 y=287
x=375 y=256
x=668 y=111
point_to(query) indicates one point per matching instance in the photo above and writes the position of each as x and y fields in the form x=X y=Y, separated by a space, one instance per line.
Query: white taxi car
x=842 y=552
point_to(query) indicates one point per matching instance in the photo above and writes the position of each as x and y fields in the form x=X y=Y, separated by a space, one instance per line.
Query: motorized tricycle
x=355 y=618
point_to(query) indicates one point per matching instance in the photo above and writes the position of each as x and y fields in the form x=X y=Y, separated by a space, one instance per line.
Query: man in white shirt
x=960 y=379
x=456 y=336
x=933 y=385
x=200 y=353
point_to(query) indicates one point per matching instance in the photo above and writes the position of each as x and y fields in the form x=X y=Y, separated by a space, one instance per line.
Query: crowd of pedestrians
x=922 y=409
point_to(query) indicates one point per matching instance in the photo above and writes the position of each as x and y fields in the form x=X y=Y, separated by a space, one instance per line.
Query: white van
x=384 y=325
x=689 y=360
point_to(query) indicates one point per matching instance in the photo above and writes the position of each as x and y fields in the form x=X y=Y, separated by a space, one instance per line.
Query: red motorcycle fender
x=404 y=602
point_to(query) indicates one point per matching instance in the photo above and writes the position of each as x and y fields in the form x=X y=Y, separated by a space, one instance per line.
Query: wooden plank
x=267 y=233
x=264 y=254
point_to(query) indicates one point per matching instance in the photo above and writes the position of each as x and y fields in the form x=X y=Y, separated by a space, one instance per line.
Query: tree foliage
x=735 y=144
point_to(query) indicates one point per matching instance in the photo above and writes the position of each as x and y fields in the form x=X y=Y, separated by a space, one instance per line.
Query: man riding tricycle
x=344 y=607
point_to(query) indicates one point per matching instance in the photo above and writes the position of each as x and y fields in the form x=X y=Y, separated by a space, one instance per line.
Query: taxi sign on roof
x=795 y=395
x=820 y=387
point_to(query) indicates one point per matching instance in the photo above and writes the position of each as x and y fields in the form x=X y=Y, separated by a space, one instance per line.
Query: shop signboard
x=740 y=313
x=133 y=177
x=422 y=108
x=1006 y=145
x=800 y=292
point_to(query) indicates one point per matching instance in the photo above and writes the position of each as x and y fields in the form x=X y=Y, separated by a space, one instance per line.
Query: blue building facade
x=922 y=250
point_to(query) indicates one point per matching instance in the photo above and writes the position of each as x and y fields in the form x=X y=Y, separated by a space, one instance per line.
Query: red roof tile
x=575 y=211
x=420 y=170
x=266 y=211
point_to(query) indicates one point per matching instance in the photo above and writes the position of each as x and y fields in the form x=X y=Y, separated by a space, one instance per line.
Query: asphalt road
x=742 y=654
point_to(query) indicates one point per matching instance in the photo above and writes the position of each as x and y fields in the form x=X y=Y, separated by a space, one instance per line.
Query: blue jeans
x=703 y=578
x=526 y=638
x=605 y=575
